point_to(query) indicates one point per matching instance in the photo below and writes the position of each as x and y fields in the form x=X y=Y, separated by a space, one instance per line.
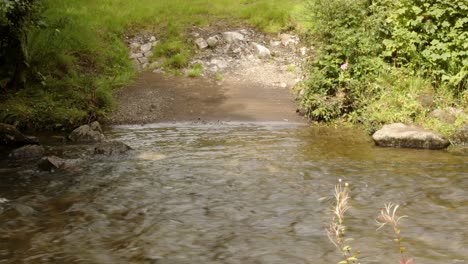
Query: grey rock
x=274 y=43
x=87 y=133
x=303 y=51
x=219 y=63
x=111 y=148
x=143 y=60
x=135 y=55
x=148 y=54
x=460 y=137
x=399 y=135
x=146 y=47
x=448 y=115
x=212 y=41
x=12 y=137
x=52 y=163
x=28 y=152
x=153 y=39
x=262 y=51
x=201 y=43
x=135 y=45
x=287 y=39
x=231 y=37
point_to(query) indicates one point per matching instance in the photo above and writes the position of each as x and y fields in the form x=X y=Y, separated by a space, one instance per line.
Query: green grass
x=195 y=70
x=80 y=57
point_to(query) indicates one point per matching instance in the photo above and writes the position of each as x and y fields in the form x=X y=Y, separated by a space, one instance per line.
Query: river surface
x=232 y=193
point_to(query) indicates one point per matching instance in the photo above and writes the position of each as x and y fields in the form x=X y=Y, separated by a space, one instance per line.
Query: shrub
x=372 y=56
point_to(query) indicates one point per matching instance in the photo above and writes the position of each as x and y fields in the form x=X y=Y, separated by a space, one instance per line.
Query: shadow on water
x=233 y=193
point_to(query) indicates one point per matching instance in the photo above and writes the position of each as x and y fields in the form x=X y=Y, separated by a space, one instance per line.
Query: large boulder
x=111 y=148
x=12 y=137
x=399 y=135
x=28 y=152
x=87 y=133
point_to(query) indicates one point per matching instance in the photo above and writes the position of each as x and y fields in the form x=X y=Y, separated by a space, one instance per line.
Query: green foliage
x=428 y=35
x=195 y=70
x=343 y=30
x=373 y=59
x=76 y=56
x=17 y=19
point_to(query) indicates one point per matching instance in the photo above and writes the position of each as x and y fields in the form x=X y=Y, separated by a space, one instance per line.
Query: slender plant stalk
x=388 y=216
x=336 y=229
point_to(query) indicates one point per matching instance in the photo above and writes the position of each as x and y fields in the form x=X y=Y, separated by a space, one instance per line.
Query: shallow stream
x=232 y=193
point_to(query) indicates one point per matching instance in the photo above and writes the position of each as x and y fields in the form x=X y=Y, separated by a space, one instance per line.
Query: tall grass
x=80 y=56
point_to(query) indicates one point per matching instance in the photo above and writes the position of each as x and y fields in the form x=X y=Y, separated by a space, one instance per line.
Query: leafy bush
x=373 y=58
x=346 y=57
x=430 y=36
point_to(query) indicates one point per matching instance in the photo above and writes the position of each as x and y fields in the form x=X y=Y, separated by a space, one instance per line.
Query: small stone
x=219 y=63
x=143 y=60
x=148 y=54
x=231 y=37
x=287 y=39
x=201 y=43
x=136 y=55
x=146 y=47
x=283 y=85
x=274 y=43
x=212 y=41
x=134 y=45
x=303 y=51
x=262 y=51
x=152 y=39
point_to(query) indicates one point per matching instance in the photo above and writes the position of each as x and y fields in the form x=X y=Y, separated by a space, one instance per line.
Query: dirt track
x=162 y=98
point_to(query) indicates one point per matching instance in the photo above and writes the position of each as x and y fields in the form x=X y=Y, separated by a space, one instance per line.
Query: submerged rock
x=12 y=137
x=28 y=152
x=111 y=148
x=399 y=135
x=87 y=133
x=52 y=163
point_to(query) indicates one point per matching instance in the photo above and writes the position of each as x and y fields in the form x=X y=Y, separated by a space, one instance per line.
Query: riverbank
x=78 y=56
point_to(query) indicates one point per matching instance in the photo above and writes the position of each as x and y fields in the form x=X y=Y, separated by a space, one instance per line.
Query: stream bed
x=236 y=193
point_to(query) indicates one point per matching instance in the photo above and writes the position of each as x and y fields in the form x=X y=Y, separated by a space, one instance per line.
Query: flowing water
x=232 y=193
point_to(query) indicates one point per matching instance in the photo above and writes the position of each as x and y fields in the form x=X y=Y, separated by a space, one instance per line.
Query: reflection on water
x=232 y=193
